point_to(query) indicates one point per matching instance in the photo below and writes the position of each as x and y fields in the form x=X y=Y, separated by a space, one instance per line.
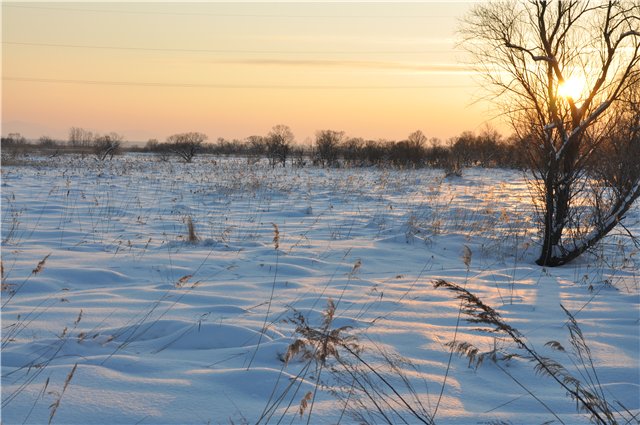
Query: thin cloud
x=446 y=68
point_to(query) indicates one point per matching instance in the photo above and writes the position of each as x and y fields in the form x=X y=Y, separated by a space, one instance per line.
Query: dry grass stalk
x=184 y=279
x=304 y=403
x=78 y=319
x=40 y=265
x=9 y=288
x=56 y=404
x=321 y=343
x=276 y=236
x=588 y=396
x=466 y=256
x=192 y=237
x=356 y=267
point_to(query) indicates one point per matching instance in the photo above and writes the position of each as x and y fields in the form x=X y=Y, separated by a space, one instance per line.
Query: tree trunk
x=555 y=254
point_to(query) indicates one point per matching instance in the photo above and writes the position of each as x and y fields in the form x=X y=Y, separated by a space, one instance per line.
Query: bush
x=186 y=145
x=107 y=146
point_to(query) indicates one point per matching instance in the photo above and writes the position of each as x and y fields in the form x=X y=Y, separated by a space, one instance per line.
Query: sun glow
x=572 y=88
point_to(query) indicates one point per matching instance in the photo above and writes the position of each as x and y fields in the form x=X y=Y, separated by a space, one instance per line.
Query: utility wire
x=226 y=86
x=159 y=49
x=226 y=15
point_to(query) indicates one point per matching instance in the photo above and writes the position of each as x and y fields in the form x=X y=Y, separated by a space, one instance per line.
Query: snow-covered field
x=99 y=272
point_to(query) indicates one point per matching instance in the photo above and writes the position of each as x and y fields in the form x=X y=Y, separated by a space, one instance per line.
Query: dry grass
x=586 y=393
x=56 y=404
x=191 y=231
x=367 y=392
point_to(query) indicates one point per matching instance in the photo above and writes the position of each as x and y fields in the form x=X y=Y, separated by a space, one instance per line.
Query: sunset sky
x=148 y=70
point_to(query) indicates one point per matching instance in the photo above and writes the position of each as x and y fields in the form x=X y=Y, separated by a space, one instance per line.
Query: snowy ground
x=168 y=331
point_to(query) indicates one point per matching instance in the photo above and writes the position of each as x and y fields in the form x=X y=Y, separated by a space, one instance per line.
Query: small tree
x=278 y=144
x=14 y=144
x=152 y=145
x=563 y=70
x=437 y=154
x=107 y=146
x=47 y=142
x=80 y=138
x=13 y=140
x=352 y=150
x=327 y=146
x=410 y=152
x=374 y=151
x=186 y=145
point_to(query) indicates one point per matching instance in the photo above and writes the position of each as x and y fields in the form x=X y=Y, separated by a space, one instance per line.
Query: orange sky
x=148 y=70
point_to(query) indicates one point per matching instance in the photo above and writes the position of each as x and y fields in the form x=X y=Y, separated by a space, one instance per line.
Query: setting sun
x=572 y=87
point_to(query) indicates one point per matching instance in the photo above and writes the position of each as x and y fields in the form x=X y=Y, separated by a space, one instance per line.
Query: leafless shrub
x=186 y=145
x=107 y=146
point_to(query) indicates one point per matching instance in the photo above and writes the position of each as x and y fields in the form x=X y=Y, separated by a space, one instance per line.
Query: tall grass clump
x=586 y=390
x=191 y=231
x=369 y=388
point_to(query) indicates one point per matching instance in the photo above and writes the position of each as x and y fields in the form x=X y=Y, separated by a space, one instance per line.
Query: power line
x=226 y=86
x=220 y=51
x=228 y=15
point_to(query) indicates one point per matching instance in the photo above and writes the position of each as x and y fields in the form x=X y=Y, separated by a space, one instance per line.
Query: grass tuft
x=587 y=393
x=56 y=404
x=40 y=265
x=191 y=231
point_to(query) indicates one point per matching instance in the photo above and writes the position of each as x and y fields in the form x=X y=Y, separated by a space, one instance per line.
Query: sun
x=572 y=88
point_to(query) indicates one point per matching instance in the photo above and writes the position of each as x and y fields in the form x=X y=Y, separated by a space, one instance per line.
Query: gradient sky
x=148 y=70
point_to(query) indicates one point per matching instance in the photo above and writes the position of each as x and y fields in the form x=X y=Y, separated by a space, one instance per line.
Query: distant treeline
x=329 y=149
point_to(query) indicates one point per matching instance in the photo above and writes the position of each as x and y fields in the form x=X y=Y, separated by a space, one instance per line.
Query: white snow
x=168 y=329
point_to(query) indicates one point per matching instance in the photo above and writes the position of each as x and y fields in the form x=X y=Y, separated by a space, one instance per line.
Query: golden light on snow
x=572 y=87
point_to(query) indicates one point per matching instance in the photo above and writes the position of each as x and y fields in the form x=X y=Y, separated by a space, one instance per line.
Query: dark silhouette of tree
x=532 y=53
x=186 y=145
x=47 y=142
x=14 y=144
x=485 y=149
x=278 y=144
x=328 y=146
x=13 y=140
x=410 y=152
x=80 y=138
x=374 y=151
x=351 y=150
x=107 y=146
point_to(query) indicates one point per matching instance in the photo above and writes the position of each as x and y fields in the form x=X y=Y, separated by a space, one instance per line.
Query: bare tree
x=186 y=145
x=352 y=150
x=14 y=139
x=79 y=137
x=562 y=70
x=417 y=139
x=278 y=144
x=409 y=152
x=327 y=146
x=107 y=145
x=13 y=145
x=47 y=142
